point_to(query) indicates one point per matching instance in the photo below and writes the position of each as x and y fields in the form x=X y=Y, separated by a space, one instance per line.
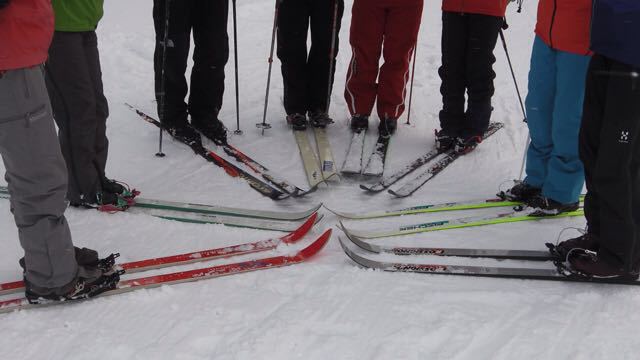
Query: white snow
x=327 y=308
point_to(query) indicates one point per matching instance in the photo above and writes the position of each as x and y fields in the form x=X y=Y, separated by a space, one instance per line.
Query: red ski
x=198 y=256
x=193 y=275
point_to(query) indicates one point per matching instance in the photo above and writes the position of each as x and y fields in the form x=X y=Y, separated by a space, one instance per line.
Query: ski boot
x=465 y=145
x=584 y=242
x=212 y=128
x=359 y=123
x=297 y=121
x=590 y=264
x=319 y=119
x=90 y=282
x=121 y=189
x=387 y=127
x=186 y=134
x=444 y=140
x=543 y=206
x=521 y=191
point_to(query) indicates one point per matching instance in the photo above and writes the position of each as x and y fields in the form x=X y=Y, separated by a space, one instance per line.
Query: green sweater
x=77 y=15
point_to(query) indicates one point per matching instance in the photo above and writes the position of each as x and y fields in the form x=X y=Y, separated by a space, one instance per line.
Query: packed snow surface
x=326 y=308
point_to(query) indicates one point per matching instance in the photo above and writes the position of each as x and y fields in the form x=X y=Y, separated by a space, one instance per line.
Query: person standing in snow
x=610 y=147
x=208 y=20
x=469 y=34
x=306 y=76
x=555 y=175
x=374 y=22
x=35 y=168
x=74 y=82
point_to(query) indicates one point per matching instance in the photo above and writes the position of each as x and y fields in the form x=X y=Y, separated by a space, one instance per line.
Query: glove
x=3 y=3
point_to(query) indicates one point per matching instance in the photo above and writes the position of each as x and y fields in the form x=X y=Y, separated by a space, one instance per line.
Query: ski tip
x=396 y=194
x=361 y=243
x=302 y=230
x=315 y=247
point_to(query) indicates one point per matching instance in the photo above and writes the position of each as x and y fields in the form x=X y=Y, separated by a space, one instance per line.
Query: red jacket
x=26 y=28
x=484 y=7
x=565 y=24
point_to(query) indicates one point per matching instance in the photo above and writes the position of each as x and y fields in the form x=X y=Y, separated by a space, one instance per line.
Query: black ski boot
x=297 y=121
x=445 y=140
x=585 y=242
x=359 y=123
x=212 y=128
x=119 y=188
x=90 y=282
x=185 y=133
x=319 y=119
x=590 y=264
x=521 y=191
x=544 y=206
x=465 y=145
x=387 y=127
x=103 y=201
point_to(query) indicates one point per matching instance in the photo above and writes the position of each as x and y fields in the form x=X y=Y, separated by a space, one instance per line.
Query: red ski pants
x=396 y=23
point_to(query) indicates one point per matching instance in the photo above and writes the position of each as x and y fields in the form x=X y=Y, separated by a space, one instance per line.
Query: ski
x=375 y=164
x=433 y=170
x=309 y=159
x=211 y=209
x=534 y=255
x=194 y=257
x=232 y=170
x=327 y=163
x=479 y=271
x=234 y=221
x=386 y=182
x=515 y=216
x=352 y=164
x=266 y=174
x=431 y=208
x=191 y=275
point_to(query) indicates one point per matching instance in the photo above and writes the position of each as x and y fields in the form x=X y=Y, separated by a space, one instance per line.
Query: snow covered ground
x=327 y=308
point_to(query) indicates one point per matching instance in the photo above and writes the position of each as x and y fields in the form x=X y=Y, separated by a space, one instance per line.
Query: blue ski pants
x=554 y=111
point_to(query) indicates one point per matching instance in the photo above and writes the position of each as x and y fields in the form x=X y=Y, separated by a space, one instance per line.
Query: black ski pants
x=306 y=75
x=208 y=20
x=468 y=41
x=80 y=109
x=610 y=151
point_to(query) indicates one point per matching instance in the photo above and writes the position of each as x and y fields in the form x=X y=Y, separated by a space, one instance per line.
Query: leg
x=178 y=42
x=72 y=91
x=483 y=34
x=320 y=56
x=101 y=143
x=565 y=173
x=455 y=31
x=210 y=56
x=400 y=37
x=366 y=36
x=539 y=105
x=590 y=129
x=37 y=178
x=616 y=172
x=293 y=26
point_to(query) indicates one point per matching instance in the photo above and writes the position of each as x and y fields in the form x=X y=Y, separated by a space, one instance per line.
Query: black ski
x=232 y=170
x=557 y=273
x=436 y=168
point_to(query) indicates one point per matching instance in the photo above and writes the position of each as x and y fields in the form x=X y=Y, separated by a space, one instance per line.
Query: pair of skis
x=442 y=160
x=271 y=184
x=319 y=169
x=210 y=214
x=197 y=274
x=556 y=270
x=354 y=160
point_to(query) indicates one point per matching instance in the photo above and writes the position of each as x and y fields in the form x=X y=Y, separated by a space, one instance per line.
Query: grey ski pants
x=37 y=178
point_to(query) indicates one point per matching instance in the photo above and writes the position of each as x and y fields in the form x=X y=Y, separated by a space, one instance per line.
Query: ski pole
x=515 y=82
x=163 y=77
x=413 y=73
x=264 y=125
x=332 y=52
x=235 y=51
